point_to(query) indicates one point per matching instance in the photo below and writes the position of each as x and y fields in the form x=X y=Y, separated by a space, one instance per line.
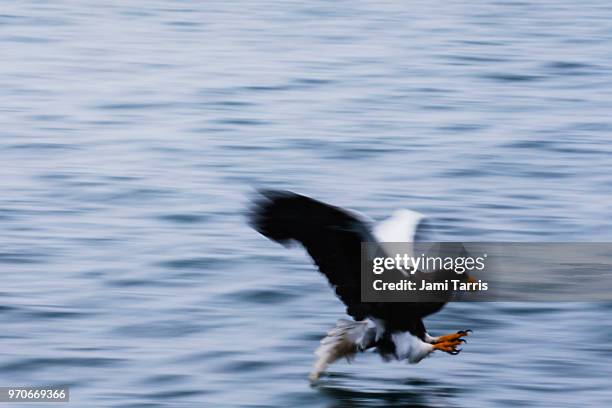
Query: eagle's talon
x=448 y=346
x=452 y=337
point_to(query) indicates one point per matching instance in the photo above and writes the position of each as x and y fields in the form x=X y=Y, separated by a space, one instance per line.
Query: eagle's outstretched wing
x=331 y=235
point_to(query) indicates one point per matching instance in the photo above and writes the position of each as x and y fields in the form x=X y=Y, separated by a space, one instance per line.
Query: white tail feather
x=344 y=340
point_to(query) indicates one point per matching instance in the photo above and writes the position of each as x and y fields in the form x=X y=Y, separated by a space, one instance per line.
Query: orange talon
x=454 y=336
x=448 y=346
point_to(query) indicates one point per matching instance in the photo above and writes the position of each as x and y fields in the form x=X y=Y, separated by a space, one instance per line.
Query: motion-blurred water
x=132 y=134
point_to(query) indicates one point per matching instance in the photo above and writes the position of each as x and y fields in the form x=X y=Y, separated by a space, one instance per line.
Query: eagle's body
x=333 y=237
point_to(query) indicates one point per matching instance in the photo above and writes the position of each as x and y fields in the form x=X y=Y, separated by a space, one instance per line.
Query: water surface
x=133 y=133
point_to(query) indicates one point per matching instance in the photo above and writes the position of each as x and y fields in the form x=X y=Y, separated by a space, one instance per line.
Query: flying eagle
x=333 y=237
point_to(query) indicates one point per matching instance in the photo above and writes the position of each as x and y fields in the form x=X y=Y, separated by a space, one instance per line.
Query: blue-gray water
x=132 y=133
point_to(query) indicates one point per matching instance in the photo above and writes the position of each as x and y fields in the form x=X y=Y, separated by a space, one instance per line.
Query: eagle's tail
x=344 y=340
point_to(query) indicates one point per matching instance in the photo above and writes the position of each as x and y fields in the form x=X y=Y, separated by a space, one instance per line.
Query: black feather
x=331 y=235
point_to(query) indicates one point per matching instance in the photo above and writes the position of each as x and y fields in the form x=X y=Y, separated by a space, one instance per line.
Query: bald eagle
x=333 y=236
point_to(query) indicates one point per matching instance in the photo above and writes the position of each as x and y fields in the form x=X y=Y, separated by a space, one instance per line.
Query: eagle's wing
x=331 y=235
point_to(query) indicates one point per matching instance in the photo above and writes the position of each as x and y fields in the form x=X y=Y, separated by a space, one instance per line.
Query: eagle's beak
x=471 y=279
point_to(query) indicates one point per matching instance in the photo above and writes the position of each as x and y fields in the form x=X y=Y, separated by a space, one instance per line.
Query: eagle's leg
x=449 y=346
x=448 y=337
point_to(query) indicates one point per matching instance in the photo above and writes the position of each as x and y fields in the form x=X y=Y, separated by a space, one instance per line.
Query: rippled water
x=133 y=132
